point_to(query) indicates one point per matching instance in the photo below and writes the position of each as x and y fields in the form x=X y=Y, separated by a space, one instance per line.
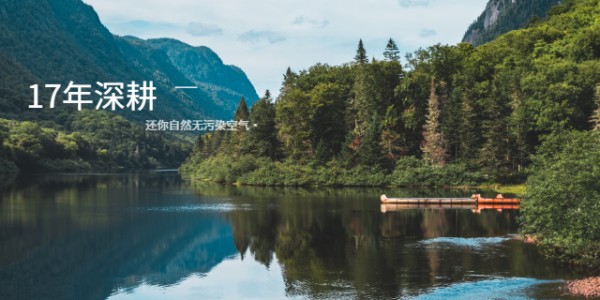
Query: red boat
x=498 y=200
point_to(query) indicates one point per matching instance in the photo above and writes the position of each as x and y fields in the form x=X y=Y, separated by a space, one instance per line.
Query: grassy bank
x=251 y=170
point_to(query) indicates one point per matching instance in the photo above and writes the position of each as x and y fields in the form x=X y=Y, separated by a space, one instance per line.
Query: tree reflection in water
x=90 y=236
x=336 y=241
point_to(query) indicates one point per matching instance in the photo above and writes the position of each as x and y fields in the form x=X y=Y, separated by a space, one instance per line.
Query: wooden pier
x=427 y=201
x=475 y=199
x=476 y=208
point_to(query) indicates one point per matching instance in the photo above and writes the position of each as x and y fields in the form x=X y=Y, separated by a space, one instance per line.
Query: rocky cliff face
x=501 y=16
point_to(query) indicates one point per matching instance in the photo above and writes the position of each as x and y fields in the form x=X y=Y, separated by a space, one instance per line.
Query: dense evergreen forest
x=450 y=115
x=524 y=107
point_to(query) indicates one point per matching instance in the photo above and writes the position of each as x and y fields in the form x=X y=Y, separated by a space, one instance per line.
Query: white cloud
x=203 y=29
x=265 y=37
x=253 y=37
x=426 y=32
x=302 y=20
x=413 y=3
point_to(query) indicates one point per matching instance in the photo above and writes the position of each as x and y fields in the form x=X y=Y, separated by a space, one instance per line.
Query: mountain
x=502 y=16
x=173 y=62
x=57 y=41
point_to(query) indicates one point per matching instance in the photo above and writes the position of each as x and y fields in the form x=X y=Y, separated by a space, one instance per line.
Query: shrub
x=562 y=204
x=411 y=171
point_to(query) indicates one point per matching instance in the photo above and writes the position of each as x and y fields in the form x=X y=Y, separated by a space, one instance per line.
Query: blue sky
x=265 y=37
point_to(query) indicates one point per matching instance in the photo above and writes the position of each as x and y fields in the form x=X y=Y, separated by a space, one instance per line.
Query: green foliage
x=411 y=171
x=490 y=107
x=312 y=111
x=370 y=152
x=391 y=52
x=562 y=204
x=99 y=141
x=595 y=119
x=252 y=170
x=361 y=53
x=262 y=139
x=512 y=15
x=71 y=44
x=434 y=143
x=241 y=113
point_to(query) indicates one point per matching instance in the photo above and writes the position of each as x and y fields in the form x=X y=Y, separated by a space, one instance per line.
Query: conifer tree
x=363 y=102
x=289 y=79
x=390 y=139
x=241 y=113
x=596 y=116
x=434 y=143
x=235 y=139
x=391 y=52
x=262 y=136
x=361 y=54
x=370 y=151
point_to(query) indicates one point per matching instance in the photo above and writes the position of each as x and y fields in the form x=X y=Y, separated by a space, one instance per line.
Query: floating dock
x=476 y=208
x=400 y=207
x=427 y=201
x=475 y=199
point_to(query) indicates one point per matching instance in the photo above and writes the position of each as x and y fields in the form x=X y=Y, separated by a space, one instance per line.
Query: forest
x=523 y=108
x=451 y=115
x=90 y=140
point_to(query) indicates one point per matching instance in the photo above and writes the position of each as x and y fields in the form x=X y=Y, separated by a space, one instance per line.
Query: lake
x=153 y=235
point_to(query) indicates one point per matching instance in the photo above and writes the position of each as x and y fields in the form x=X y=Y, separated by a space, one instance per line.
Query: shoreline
x=516 y=189
x=587 y=287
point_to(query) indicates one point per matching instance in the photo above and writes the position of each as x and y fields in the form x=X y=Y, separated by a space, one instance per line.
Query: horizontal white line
x=186 y=87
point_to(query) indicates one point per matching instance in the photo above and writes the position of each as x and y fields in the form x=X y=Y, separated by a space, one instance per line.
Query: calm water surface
x=154 y=236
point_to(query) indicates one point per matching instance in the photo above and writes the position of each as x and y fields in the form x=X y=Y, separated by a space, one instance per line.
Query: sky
x=267 y=36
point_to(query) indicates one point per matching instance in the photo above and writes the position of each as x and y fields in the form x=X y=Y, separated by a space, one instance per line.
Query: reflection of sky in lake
x=501 y=288
x=231 y=279
x=466 y=242
x=216 y=207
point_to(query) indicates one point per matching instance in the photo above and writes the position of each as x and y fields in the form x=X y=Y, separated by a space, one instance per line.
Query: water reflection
x=331 y=241
x=512 y=288
x=151 y=235
x=85 y=236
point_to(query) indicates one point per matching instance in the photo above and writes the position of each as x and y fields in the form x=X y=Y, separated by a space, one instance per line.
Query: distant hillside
x=173 y=62
x=56 y=41
x=502 y=16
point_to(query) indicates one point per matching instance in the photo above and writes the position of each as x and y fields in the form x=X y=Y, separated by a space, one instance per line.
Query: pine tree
x=434 y=143
x=363 y=102
x=361 y=54
x=241 y=113
x=289 y=80
x=235 y=139
x=370 y=151
x=390 y=138
x=262 y=136
x=469 y=136
x=391 y=52
x=596 y=116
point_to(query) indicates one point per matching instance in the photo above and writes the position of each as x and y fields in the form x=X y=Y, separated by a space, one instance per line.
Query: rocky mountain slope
x=501 y=16
x=57 y=41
